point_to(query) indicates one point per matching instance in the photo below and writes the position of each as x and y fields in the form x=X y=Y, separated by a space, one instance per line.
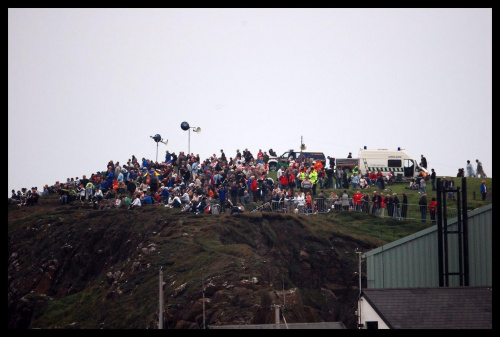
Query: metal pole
x=203 y=291
x=440 y=232
x=277 y=316
x=160 y=316
x=465 y=232
x=189 y=141
x=460 y=238
x=445 y=240
x=359 y=296
x=359 y=254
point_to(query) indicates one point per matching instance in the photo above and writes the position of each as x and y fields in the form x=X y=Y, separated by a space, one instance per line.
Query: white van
x=398 y=161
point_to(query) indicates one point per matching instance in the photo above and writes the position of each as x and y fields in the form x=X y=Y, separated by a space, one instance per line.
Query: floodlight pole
x=189 y=138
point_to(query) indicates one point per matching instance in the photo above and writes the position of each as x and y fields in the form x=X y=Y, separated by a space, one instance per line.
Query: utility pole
x=276 y=315
x=359 y=296
x=359 y=254
x=203 y=292
x=160 y=315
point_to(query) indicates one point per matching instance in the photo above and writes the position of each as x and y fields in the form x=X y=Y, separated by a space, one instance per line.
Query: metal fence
x=322 y=205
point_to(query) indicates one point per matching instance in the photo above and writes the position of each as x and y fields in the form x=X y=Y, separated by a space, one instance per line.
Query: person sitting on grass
x=238 y=209
x=136 y=202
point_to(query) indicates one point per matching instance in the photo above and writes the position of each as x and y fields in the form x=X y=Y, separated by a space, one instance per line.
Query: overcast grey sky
x=86 y=86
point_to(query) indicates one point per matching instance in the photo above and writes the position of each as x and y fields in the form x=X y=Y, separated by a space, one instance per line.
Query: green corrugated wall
x=412 y=262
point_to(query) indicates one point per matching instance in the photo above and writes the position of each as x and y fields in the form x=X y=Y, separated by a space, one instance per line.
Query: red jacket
x=357 y=198
x=253 y=185
x=284 y=180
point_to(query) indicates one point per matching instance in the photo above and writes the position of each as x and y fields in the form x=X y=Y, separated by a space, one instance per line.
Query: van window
x=394 y=163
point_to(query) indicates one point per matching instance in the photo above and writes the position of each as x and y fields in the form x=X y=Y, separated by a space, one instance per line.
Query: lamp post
x=157 y=138
x=185 y=126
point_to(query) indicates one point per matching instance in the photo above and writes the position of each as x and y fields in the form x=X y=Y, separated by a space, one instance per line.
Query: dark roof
x=319 y=325
x=433 y=308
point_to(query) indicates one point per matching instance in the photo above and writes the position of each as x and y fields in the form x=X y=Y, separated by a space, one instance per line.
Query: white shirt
x=136 y=202
x=185 y=197
x=300 y=199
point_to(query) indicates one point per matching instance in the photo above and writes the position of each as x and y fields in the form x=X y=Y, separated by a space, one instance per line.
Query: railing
x=322 y=205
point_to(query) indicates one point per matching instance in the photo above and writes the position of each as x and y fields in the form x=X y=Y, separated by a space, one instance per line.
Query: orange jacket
x=308 y=199
x=318 y=165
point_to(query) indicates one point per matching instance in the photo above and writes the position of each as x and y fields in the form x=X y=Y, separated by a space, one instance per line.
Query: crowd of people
x=193 y=185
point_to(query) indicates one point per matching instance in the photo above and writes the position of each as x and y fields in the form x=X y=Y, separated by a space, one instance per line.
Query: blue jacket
x=483 y=188
x=222 y=194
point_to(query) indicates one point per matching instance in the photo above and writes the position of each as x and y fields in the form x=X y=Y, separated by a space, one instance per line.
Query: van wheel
x=272 y=167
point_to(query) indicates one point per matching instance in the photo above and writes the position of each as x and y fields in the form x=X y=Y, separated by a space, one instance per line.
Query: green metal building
x=413 y=262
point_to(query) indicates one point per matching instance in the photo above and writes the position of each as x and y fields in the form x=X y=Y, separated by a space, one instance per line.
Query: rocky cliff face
x=74 y=267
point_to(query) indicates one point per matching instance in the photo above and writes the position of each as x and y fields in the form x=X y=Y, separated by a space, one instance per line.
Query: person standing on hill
x=283 y=180
x=404 y=206
x=356 y=200
x=470 y=170
x=329 y=177
x=241 y=193
x=222 y=191
x=349 y=155
x=432 y=209
x=423 y=161
x=450 y=185
x=479 y=170
x=345 y=180
x=306 y=185
x=338 y=178
x=422 y=185
x=433 y=179
x=291 y=181
x=389 y=205
x=344 y=198
x=331 y=162
x=483 y=190
x=423 y=207
x=395 y=202
x=313 y=176
x=84 y=181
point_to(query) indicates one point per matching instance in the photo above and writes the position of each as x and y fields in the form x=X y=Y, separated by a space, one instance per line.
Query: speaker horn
x=197 y=130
